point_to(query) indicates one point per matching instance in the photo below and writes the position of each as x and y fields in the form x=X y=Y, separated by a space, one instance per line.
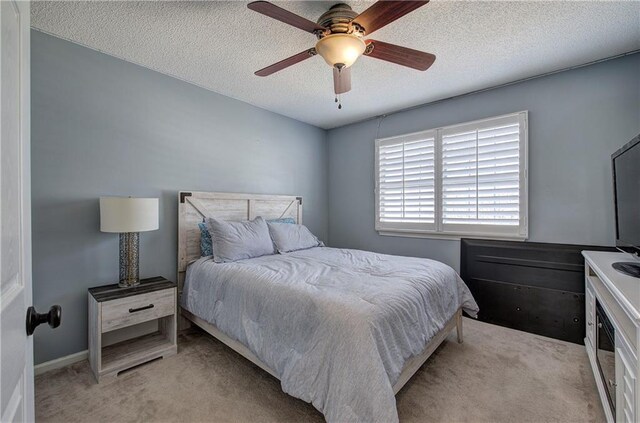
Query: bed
x=341 y=329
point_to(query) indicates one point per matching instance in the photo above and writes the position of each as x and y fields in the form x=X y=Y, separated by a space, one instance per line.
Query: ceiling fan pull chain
x=338 y=96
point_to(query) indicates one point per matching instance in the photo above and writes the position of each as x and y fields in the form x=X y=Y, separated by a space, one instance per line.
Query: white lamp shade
x=126 y=214
x=340 y=48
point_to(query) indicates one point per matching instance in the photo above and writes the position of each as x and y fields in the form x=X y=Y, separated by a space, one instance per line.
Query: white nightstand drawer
x=136 y=309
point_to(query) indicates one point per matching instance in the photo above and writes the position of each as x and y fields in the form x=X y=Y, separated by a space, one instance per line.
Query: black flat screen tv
x=626 y=192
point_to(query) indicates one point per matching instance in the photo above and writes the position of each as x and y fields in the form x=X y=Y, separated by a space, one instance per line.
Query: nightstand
x=131 y=326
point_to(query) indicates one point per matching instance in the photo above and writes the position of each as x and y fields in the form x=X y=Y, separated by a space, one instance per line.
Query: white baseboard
x=60 y=362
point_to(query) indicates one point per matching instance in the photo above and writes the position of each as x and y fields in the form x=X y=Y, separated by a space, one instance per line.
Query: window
x=406 y=181
x=461 y=180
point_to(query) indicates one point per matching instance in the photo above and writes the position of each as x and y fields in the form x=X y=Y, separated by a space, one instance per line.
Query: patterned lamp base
x=129 y=259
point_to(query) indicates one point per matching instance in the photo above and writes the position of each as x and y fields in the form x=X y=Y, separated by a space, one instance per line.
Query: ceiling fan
x=341 y=36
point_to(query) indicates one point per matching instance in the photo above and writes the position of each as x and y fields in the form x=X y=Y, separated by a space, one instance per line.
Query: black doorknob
x=53 y=318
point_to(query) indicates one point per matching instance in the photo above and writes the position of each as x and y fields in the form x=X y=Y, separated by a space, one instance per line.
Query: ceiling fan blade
x=384 y=12
x=404 y=56
x=285 y=16
x=341 y=80
x=289 y=61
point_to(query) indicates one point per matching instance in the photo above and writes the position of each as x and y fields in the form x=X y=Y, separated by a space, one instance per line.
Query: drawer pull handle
x=133 y=310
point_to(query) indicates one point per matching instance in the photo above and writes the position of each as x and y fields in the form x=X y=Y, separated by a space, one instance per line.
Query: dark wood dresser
x=529 y=286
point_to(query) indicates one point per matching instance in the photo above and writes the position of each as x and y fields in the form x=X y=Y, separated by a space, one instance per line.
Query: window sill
x=448 y=236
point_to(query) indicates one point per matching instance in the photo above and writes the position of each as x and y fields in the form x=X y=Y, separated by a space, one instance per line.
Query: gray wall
x=576 y=120
x=102 y=126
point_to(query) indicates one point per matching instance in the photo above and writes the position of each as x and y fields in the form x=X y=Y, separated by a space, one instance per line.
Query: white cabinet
x=612 y=323
x=626 y=378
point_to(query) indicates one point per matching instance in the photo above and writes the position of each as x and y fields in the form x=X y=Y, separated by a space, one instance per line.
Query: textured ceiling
x=218 y=45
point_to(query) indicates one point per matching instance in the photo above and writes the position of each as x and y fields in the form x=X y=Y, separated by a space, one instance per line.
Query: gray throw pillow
x=239 y=240
x=287 y=237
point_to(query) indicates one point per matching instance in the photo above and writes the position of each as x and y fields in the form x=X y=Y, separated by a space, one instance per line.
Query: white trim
x=58 y=363
x=437 y=189
x=480 y=124
x=524 y=182
x=444 y=235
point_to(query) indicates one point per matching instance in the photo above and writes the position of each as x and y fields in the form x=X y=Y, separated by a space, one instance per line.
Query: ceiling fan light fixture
x=340 y=49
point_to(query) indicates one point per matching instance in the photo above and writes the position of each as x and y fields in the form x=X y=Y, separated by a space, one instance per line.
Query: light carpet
x=496 y=375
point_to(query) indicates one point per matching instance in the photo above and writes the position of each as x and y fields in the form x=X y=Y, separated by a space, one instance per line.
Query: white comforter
x=335 y=325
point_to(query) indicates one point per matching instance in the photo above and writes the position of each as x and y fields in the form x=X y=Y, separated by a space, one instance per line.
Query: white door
x=16 y=348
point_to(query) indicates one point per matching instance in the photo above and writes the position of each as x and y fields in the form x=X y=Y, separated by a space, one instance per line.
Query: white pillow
x=234 y=241
x=287 y=237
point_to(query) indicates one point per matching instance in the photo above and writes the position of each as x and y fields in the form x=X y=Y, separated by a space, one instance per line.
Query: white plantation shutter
x=462 y=180
x=481 y=177
x=406 y=182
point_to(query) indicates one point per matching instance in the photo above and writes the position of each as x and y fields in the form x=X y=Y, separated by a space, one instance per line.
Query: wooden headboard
x=194 y=206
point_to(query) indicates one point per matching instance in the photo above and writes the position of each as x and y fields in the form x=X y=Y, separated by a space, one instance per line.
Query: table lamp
x=128 y=216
